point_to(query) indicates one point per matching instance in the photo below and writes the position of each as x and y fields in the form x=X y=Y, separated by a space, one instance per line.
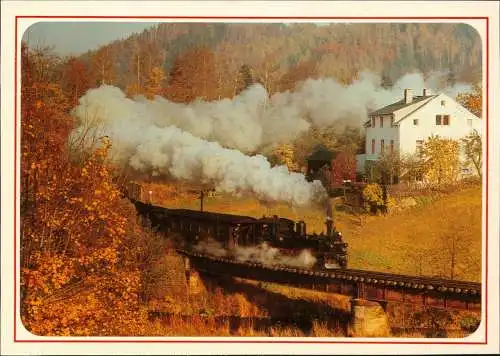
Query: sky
x=73 y=38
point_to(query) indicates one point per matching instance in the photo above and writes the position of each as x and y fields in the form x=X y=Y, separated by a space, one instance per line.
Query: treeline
x=211 y=61
x=280 y=55
x=215 y=60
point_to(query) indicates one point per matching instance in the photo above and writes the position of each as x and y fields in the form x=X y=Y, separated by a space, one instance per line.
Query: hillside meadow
x=441 y=236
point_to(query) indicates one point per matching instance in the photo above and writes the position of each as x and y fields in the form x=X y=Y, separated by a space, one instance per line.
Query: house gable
x=419 y=125
x=449 y=103
x=398 y=109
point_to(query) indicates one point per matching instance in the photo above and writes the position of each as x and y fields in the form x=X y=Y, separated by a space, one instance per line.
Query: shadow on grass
x=282 y=311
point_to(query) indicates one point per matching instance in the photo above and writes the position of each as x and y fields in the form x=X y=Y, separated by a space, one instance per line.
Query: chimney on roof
x=426 y=92
x=408 y=96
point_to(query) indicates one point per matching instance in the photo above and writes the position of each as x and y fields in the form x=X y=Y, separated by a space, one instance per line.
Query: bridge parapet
x=359 y=284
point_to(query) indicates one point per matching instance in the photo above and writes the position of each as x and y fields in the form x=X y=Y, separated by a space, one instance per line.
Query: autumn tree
x=453 y=246
x=193 y=76
x=285 y=154
x=138 y=67
x=76 y=80
x=246 y=78
x=388 y=166
x=344 y=167
x=299 y=73
x=441 y=160
x=473 y=101
x=155 y=83
x=373 y=196
x=473 y=149
x=412 y=167
x=80 y=266
x=103 y=67
x=268 y=71
x=419 y=259
x=42 y=138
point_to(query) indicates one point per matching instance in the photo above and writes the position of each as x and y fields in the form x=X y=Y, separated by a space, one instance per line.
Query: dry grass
x=241 y=307
x=335 y=301
x=417 y=241
x=410 y=242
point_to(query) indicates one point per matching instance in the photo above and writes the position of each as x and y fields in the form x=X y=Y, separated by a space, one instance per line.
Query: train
x=233 y=231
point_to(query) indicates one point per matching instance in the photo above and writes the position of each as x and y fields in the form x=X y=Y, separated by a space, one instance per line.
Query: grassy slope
x=417 y=238
x=410 y=242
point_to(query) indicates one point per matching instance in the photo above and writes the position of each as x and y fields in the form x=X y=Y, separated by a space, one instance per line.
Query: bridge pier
x=368 y=319
x=193 y=280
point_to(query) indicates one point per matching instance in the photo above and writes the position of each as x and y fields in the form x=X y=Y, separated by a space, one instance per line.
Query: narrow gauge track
x=379 y=286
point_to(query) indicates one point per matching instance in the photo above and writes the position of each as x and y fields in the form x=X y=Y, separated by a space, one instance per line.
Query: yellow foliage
x=441 y=160
x=285 y=154
x=373 y=195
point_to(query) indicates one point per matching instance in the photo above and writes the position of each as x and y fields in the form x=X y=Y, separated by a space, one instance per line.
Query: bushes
x=470 y=323
x=376 y=200
x=80 y=256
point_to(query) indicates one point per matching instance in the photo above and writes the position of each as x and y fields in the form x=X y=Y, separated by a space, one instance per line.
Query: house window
x=381 y=121
x=415 y=122
x=382 y=146
x=419 y=144
x=373 y=122
x=443 y=103
x=373 y=146
x=438 y=119
x=392 y=146
x=469 y=122
x=446 y=120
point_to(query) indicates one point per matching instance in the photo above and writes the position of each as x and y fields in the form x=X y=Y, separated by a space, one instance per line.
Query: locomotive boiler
x=232 y=231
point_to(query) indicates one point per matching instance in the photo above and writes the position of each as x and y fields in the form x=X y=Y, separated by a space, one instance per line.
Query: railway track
x=355 y=282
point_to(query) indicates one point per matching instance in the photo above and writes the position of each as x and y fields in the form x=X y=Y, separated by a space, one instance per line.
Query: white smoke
x=252 y=119
x=194 y=141
x=211 y=247
x=262 y=253
x=435 y=81
x=138 y=141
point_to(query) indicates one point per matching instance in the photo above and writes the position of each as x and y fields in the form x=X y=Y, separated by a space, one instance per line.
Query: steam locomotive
x=231 y=231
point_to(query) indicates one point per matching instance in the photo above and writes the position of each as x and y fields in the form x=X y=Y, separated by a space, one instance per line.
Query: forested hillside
x=211 y=61
x=279 y=55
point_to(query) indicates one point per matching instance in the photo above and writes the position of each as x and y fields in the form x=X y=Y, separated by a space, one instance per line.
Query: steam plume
x=147 y=147
x=262 y=253
x=194 y=141
x=253 y=119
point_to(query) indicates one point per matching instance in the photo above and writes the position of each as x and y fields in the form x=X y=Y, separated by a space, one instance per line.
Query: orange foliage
x=103 y=67
x=473 y=101
x=76 y=79
x=80 y=273
x=193 y=76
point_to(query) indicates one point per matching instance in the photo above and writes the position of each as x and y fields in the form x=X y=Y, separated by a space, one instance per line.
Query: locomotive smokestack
x=329 y=227
x=329 y=220
x=328 y=209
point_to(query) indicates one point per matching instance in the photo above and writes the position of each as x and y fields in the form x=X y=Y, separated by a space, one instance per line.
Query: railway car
x=231 y=231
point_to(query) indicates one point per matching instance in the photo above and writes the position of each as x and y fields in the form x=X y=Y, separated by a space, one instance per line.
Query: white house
x=404 y=125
